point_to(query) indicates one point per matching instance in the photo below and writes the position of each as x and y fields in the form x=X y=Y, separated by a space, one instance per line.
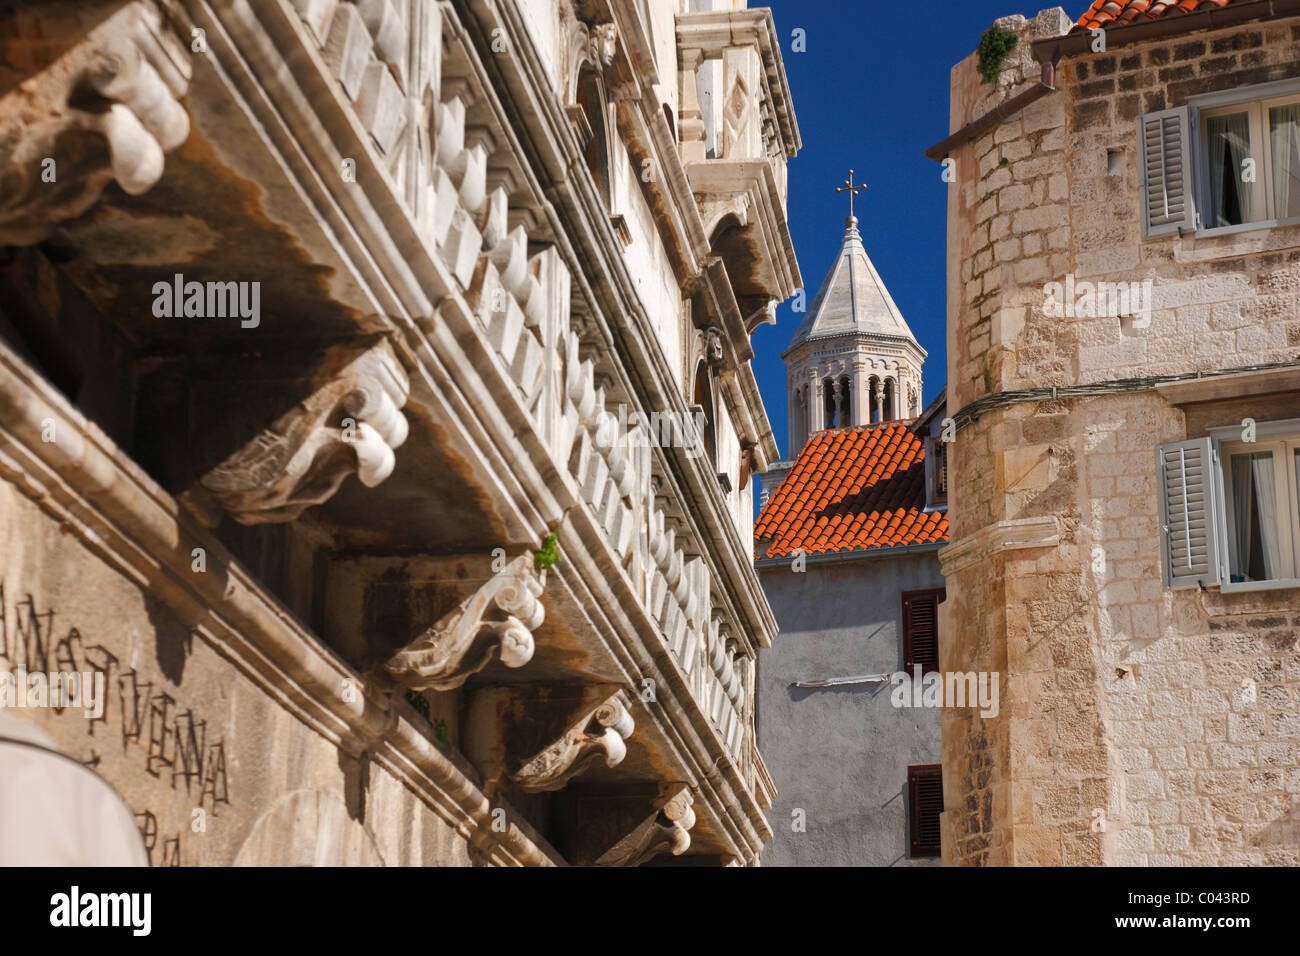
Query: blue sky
x=871 y=93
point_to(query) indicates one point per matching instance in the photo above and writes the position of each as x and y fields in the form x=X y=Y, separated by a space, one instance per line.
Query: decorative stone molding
x=351 y=424
x=1011 y=535
x=121 y=84
x=496 y=620
x=668 y=828
x=600 y=730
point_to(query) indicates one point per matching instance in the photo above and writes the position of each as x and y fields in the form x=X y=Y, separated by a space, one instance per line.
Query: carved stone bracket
x=496 y=620
x=351 y=424
x=601 y=730
x=105 y=110
x=668 y=828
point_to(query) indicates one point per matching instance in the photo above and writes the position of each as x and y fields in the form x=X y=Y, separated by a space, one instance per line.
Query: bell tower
x=853 y=360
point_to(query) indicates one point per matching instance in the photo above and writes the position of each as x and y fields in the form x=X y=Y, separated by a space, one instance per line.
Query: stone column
x=861 y=400
x=816 y=403
x=798 y=423
x=690 y=115
x=877 y=400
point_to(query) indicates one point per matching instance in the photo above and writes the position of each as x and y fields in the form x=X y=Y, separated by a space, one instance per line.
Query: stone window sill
x=1280 y=584
x=1230 y=241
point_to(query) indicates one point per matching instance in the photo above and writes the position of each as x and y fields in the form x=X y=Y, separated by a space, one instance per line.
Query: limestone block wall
x=1124 y=736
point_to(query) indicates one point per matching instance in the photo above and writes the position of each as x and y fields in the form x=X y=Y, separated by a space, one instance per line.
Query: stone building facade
x=1112 y=557
x=378 y=419
x=847 y=549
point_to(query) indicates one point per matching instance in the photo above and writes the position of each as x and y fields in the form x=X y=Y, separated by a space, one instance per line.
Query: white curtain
x=1266 y=503
x=1243 y=513
x=1230 y=198
x=1284 y=133
x=1254 y=505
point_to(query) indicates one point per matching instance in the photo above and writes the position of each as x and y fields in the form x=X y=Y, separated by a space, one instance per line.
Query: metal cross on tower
x=851 y=189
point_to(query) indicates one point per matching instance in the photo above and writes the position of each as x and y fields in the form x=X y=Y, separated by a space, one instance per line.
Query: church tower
x=853 y=361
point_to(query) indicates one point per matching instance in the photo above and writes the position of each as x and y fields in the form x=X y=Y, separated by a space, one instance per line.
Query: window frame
x=1255 y=101
x=935 y=446
x=1283 y=439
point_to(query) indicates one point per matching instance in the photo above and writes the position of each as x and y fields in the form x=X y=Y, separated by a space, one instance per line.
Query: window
x=925 y=804
x=590 y=117
x=704 y=402
x=936 y=473
x=1260 y=511
x=921 y=629
x=1230 y=509
x=1258 y=141
x=1232 y=160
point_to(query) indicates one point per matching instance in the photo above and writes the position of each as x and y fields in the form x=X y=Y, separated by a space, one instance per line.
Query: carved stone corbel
x=118 y=87
x=496 y=620
x=351 y=424
x=668 y=828
x=600 y=730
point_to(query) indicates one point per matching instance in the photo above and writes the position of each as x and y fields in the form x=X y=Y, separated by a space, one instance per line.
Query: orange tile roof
x=853 y=488
x=1123 y=12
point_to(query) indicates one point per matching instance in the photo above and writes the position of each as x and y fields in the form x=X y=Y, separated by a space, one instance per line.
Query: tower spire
x=853 y=360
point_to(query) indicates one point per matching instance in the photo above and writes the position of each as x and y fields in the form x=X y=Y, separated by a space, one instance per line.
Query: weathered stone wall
x=1124 y=735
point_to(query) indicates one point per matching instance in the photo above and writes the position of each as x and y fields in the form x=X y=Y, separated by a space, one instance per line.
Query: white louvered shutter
x=1165 y=148
x=1188 y=513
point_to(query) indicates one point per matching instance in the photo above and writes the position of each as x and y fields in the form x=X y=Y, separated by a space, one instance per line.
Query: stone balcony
x=427 y=393
x=737 y=132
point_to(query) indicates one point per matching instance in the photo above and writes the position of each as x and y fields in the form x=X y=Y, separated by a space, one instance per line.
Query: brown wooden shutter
x=925 y=800
x=921 y=629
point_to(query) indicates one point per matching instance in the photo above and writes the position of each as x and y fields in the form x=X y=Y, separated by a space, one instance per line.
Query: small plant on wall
x=548 y=555
x=995 y=46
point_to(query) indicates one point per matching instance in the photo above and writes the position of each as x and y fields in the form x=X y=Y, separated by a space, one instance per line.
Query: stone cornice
x=754 y=180
x=1013 y=534
x=713 y=30
x=864 y=338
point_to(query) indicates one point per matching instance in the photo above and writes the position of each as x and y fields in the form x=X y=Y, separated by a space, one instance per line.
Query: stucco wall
x=841 y=754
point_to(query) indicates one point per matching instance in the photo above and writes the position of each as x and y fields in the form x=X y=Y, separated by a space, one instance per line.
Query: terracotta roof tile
x=853 y=488
x=1105 y=13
